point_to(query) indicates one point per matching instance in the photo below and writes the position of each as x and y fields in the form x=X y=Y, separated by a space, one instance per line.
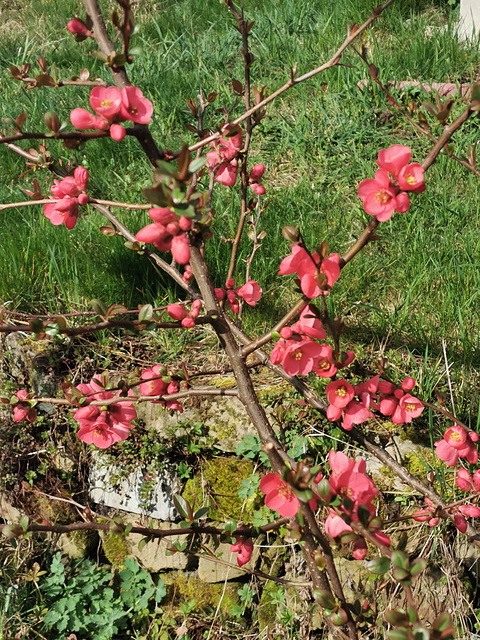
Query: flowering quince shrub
x=323 y=503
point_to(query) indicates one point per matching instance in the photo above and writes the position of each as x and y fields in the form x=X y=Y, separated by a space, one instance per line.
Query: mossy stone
x=183 y=589
x=115 y=548
x=222 y=478
x=267 y=610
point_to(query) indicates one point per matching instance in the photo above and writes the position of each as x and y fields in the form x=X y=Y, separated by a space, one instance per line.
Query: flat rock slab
x=126 y=494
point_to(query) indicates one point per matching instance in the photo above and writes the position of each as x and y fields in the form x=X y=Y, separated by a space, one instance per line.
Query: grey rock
x=127 y=494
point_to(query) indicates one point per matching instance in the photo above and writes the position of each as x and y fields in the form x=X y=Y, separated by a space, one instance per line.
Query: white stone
x=469 y=25
x=126 y=494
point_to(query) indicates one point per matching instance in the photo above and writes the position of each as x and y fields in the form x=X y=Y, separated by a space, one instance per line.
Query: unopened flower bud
x=79 y=28
x=290 y=233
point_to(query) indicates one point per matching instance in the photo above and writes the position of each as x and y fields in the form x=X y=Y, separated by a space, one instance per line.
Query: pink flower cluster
x=23 y=410
x=251 y=292
x=383 y=195
x=223 y=158
x=168 y=232
x=376 y=394
x=113 y=106
x=348 y=480
x=157 y=383
x=67 y=195
x=316 y=276
x=178 y=312
x=243 y=547
x=457 y=443
x=103 y=425
x=299 y=354
x=433 y=514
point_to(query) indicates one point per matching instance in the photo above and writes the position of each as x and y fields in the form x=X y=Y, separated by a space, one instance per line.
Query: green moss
x=414 y=433
x=183 y=589
x=84 y=540
x=267 y=611
x=219 y=490
x=115 y=548
x=224 y=476
x=417 y=466
x=56 y=511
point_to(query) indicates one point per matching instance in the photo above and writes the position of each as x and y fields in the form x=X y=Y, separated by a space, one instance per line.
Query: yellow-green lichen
x=217 y=487
x=115 y=548
x=267 y=610
x=184 y=589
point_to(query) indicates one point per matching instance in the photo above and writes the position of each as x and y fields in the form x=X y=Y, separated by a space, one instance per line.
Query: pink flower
x=407 y=409
x=335 y=525
x=117 y=132
x=255 y=174
x=378 y=196
x=309 y=325
x=83 y=119
x=279 y=495
x=410 y=178
x=394 y=158
x=310 y=271
x=251 y=292
x=466 y=482
x=23 y=410
x=180 y=248
x=259 y=189
x=348 y=479
x=103 y=425
x=155 y=387
x=457 y=443
x=355 y=413
x=243 y=547
x=177 y=312
x=62 y=211
x=134 y=106
x=71 y=192
x=106 y=101
x=227 y=173
x=340 y=393
x=324 y=366
x=79 y=28
x=300 y=356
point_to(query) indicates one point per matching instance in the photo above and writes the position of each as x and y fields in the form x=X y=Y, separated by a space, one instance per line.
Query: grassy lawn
x=416 y=287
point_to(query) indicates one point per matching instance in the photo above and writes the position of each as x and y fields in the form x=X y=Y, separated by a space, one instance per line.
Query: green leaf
x=399 y=559
x=363 y=514
x=145 y=313
x=99 y=307
x=197 y=164
x=397 y=617
x=418 y=566
x=442 y=622
x=397 y=634
x=200 y=513
x=325 y=599
x=378 y=566
x=160 y=591
x=181 y=506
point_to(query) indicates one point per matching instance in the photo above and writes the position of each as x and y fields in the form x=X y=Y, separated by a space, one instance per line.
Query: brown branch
x=140 y=131
x=247 y=62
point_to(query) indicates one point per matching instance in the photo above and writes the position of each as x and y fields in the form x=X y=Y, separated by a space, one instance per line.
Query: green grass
x=418 y=285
